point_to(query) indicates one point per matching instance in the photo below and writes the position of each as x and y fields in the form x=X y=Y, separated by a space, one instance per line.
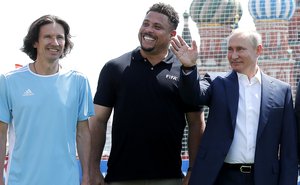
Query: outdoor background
x=103 y=30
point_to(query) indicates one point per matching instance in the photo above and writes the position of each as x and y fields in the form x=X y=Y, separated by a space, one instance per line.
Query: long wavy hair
x=33 y=35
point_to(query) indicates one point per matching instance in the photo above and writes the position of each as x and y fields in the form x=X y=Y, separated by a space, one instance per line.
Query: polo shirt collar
x=136 y=55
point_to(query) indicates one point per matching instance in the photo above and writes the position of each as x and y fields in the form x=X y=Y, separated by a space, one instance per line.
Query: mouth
x=54 y=50
x=148 y=38
x=235 y=62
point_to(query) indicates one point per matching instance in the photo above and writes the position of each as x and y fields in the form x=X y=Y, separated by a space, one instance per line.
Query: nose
x=149 y=28
x=55 y=41
x=234 y=55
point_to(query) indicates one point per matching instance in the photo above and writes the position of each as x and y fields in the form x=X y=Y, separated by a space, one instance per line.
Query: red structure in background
x=18 y=66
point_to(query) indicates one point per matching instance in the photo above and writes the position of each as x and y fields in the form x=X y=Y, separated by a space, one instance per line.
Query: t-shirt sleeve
x=86 y=107
x=106 y=88
x=5 y=115
x=192 y=108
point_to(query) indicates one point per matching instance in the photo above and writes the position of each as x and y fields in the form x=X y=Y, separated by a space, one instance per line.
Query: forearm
x=2 y=156
x=98 y=126
x=194 y=139
x=3 y=140
x=196 y=129
x=189 y=87
x=98 y=133
x=288 y=144
x=84 y=147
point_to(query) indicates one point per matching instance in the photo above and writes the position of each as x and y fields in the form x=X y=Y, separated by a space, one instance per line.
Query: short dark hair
x=167 y=10
x=33 y=35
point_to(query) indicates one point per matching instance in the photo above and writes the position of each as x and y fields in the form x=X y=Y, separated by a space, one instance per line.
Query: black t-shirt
x=148 y=119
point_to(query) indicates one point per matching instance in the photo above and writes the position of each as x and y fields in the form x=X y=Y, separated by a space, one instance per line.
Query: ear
x=35 y=45
x=173 y=33
x=259 y=49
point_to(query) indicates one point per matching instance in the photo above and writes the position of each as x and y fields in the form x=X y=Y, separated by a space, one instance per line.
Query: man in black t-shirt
x=149 y=117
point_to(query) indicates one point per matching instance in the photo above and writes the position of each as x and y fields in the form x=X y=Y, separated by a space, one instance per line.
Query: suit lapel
x=267 y=94
x=232 y=94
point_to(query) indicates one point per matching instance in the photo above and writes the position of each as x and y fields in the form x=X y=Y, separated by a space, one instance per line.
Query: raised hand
x=186 y=55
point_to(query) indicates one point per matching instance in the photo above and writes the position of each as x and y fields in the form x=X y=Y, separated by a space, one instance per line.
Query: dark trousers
x=235 y=175
x=149 y=182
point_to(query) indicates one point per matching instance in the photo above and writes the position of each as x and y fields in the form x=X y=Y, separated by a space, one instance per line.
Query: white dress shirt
x=242 y=149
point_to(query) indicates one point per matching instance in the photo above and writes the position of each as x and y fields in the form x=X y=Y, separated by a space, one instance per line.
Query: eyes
x=155 y=26
x=58 y=38
x=237 y=49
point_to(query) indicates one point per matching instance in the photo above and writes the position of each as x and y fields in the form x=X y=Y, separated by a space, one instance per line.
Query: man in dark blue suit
x=251 y=132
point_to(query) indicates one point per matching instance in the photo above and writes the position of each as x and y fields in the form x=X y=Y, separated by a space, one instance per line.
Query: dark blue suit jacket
x=276 y=148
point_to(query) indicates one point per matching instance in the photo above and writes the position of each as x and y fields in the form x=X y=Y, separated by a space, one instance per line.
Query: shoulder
x=117 y=65
x=16 y=73
x=73 y=75
x=211 y=76
x=2 y=80
x=275 y=81
x=1 y=77
x=119 y=61
x=214 y=75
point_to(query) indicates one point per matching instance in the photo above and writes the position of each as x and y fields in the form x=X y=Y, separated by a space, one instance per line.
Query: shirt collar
x=257 y=76
x=136 y=55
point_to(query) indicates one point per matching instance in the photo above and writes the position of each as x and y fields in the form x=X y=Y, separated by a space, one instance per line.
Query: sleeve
x=86 y=106
x=5 y=115
x=193 y=108
x=106 y=88
x=193 y=89
x=297 y=112
x=288 y=150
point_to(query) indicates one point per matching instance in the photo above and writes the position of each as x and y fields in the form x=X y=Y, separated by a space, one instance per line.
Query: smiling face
x=243 y=54
x=155 y=33
x=51 y=42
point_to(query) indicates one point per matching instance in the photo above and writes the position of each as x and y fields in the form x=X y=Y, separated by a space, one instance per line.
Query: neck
x=154 y=58
x=45 y=69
